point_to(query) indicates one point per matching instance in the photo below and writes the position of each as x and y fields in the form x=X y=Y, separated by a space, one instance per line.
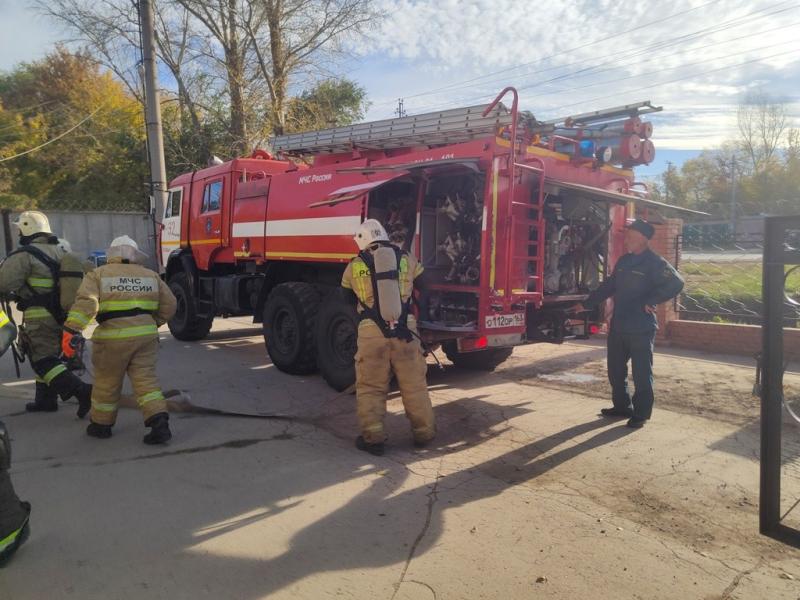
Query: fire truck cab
x=515 y=221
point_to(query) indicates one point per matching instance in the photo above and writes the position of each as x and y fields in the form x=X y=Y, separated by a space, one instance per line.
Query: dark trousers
x=638 y=349
x=12 y=514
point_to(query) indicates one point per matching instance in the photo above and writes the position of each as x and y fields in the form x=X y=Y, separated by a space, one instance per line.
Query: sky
x=696 y=58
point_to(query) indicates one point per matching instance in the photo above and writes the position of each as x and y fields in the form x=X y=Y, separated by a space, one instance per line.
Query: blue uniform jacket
x=638 y=280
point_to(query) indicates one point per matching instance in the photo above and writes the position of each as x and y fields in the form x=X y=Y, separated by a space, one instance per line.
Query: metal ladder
x=437 y=128
x=532 y=227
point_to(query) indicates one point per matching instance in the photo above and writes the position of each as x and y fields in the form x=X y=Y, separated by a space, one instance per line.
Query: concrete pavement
x=527 y=494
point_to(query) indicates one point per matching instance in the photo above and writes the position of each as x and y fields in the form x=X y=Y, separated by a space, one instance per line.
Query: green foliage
x=99 y=166
x=330 y=103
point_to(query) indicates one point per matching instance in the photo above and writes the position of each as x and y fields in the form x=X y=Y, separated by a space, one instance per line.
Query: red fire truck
x=514 y=219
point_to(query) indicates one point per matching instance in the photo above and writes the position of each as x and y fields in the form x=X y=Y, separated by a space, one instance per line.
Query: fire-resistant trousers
x=41 y=339
x=112 y=360
x=12 y=514
x=376 y=359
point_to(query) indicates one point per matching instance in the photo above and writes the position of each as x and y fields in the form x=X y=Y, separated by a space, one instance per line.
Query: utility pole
x=155 y=136
x=666 y=183
x=401 y=112
x=733 y=197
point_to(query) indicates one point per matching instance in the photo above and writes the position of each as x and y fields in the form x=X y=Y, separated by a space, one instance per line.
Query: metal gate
x=781 y=250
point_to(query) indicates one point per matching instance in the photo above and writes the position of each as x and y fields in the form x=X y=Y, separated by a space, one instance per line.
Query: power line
x=656 y=72
x=588 y=71
x=581 y=47
x=708 y=72
x=50 y=141
x=719 y=27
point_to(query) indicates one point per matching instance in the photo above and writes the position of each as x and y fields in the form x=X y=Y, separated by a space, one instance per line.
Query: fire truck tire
x=480 y=360
x=186 y=325
x=337 y=331
x=290 y=314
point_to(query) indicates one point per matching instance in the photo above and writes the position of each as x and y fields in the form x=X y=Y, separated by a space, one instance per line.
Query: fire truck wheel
x=289 y=318
x=337 y=330
x=480 y=360
x=186 y=325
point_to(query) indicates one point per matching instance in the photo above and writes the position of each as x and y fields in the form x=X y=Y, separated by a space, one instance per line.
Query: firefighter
x=381 y=278
x=27 y=278
x=641 y=280
x=130 y=303
x=14 y=528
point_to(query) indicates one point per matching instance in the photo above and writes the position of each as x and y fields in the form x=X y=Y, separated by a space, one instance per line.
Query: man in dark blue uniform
x=641 y=280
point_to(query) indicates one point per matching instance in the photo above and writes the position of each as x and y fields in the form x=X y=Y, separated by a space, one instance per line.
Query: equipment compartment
x=452 y=217
x=576 y=244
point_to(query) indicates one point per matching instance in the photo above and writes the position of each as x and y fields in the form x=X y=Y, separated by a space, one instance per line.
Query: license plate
x=498 y=321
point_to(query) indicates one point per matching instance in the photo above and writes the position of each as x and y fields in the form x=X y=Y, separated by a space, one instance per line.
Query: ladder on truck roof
x=437 y=128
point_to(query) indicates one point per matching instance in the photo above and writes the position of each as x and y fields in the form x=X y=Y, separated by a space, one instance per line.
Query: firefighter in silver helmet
x=34 y=276
x=382 y=278
x=130 y=302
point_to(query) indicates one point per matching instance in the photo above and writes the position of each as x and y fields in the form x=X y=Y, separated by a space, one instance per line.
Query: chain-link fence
x=107 y=200
x=723 y=276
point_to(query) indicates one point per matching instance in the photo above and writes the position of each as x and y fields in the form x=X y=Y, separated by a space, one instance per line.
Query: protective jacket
x=358 y=277
x=128 y=301
x=8 y=332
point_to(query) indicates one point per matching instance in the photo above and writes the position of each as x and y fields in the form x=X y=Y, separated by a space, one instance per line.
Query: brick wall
x=665 y=242
x=727 y=338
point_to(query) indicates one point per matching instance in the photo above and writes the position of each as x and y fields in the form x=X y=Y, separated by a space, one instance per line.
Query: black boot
x=102 y=432
x=374 y=449
x=46 y=399
x=19 y=538
x=84 y=396
x=159 y=429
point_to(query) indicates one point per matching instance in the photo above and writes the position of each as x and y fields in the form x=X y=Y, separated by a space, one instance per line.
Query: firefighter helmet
x=126 y=248
x=31 y=222
x=65 y=245
x=369 y=232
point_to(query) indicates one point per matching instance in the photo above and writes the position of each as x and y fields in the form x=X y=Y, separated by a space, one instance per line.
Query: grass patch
x=728 y=287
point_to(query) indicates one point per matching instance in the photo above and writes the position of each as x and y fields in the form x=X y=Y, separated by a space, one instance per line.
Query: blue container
x=587 y=148
x=98 y=258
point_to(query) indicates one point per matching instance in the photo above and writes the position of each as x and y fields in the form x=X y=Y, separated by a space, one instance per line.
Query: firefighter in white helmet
x=130 y=303
x=382 y=278
x=42 y=278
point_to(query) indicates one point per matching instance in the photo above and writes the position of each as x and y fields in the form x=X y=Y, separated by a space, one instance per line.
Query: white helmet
x=31 y=222
x=369 y=232
x=126 y=248
x=65 y=245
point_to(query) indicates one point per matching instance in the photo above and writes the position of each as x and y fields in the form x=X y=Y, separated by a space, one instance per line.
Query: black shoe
x=616 y=412
x=84 y=396
x=159 y=429
x=96 y=430
x=422 y=443
x=46 y=400
x=374 y=449
x=636 y=422
x=23 y=534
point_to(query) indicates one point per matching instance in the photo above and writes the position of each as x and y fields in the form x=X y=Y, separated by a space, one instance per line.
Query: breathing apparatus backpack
x=67 y=275
x=389 y=312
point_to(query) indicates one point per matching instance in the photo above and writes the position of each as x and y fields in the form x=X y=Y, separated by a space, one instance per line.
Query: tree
x=300 y=36
x=233 y=62
x=331 y=103
x=98 y=165
x=762 y=124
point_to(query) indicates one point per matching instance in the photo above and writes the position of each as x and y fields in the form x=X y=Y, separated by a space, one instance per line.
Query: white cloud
x=709 y=56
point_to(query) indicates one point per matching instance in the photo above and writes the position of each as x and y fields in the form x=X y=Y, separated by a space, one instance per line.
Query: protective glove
x=69 y=341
